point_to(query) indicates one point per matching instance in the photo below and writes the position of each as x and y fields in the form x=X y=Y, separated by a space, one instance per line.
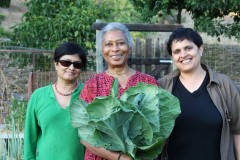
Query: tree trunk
x=179 y=16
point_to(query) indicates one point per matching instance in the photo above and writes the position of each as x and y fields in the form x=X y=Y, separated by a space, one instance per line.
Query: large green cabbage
x=137 y=124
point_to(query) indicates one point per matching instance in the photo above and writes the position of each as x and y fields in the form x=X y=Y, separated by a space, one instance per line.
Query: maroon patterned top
x=101 y=84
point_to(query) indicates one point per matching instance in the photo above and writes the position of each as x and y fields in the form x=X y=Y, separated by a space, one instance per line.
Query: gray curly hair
x=114 y=26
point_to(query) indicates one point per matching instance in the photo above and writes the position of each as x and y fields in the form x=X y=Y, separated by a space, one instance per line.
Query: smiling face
x=186 y=55
x=115 y=49
x=68 y=74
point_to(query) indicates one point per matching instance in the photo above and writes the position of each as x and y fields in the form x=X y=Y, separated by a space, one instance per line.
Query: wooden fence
x=150 y=56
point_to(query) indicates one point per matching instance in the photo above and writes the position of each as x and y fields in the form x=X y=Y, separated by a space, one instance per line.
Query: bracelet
x=119 y=156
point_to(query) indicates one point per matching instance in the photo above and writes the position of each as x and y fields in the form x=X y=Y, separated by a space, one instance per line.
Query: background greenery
x=47 y=23
x=17 y=112
x=208 y=15
x=3 y=33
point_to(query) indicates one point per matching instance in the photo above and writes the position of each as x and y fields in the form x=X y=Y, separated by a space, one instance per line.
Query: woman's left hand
x=104 y=153
x=125 y=157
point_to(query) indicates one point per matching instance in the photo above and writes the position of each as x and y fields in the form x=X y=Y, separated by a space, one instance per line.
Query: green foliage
x=161 y=9
x=15 y=143
x=50 y=23
x=2 y=17
x=207 y=16
x=137 y=124
x=17 y=111
x=210 y=18
x=12 y=148
x=5 y=3
x=120 y=11
x=3 y=33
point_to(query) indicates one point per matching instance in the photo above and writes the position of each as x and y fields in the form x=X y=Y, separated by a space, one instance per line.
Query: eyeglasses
x=67 y=63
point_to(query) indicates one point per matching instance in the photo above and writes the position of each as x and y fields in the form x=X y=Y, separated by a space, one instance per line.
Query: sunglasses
x=67 y=63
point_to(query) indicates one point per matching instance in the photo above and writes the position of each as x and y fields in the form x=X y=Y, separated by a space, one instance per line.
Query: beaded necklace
x=67 y=94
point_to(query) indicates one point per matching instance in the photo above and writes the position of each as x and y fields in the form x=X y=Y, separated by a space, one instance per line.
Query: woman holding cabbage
x=209 y=125
x=115 y=42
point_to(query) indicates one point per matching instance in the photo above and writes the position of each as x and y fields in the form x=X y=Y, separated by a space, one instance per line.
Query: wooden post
x=99 y=57
x=148 y=53
x=138 y=53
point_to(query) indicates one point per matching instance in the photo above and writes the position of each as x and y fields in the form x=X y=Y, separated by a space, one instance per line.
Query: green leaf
x=137 y=124
x=114 y=90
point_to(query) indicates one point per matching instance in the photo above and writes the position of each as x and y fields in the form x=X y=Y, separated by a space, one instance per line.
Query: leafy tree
x=160 y=8
x=51 y=22
x=121 y=11
x=208 y=15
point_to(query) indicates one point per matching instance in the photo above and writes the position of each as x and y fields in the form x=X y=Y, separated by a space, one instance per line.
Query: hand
x=106 y=154
x=125 y=157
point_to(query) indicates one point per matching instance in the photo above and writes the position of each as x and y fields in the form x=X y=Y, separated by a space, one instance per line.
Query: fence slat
x=148 y=53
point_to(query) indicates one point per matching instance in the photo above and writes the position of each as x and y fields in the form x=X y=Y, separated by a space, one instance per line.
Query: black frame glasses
x=67 y=63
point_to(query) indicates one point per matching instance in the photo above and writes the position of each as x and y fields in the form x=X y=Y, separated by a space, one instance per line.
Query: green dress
x=48 y=134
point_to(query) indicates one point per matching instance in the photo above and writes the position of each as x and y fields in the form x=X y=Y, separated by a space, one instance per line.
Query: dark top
x=199 y=125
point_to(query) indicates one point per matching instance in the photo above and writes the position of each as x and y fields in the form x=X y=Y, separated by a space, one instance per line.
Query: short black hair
x=184 y=34
x=70 y=48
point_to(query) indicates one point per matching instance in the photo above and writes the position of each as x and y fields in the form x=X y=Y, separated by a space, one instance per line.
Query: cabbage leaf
x=137 y=124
